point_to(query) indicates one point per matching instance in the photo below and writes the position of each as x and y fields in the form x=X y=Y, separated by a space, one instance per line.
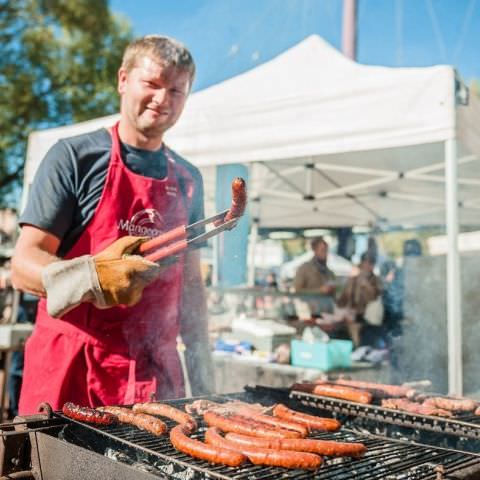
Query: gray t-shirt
x=70 y=180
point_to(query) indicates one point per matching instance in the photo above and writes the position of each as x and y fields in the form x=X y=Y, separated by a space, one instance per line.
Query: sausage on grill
x=139 y=420
x=321 y=447
x=238 y=424
x=236 y=406
x=344 y=393
x=195 y=448
x=379 y=390
x=311 y=421
x=164 y=410
x=413 y=407
x=451 y=404
x=281 y=423
x=89 y=415
x=266 y=456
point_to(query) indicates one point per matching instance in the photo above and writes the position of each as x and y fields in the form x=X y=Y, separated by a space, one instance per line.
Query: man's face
x=321 y=251
x=152 y=96
x=366 y=266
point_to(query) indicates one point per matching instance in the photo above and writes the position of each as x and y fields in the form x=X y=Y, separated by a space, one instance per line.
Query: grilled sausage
x=195 y=448
x=379 y=390
x=281 y=423
x=311 y=421
x=203 y=405
x=321 y=447
x=164 y=410
x=413 y=407
x=139 y=420
x=239 y=201
x=238 y=424
x=89 y=415
x=344 y=393
x=266 y=456
x=477 y=411
x=451 y=404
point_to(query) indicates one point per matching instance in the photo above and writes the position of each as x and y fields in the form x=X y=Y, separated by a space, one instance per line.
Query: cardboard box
x=264 y=335
x=322 y=355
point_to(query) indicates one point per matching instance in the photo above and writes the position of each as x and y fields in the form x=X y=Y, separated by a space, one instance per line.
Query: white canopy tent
x=334 y=143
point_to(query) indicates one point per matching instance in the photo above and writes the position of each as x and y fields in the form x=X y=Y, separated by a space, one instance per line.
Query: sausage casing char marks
x=321 y=447
x=164 y=410
x=246 y=426
x=197 y=449
x=139 y=420
x=266 y=456
x=89 y=415
x=311 y=421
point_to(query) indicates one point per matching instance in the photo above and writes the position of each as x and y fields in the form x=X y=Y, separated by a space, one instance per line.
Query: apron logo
x=171 y=190
x=145 y=223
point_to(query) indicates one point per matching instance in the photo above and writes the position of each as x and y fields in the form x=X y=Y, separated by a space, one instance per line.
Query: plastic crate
x=322 y=355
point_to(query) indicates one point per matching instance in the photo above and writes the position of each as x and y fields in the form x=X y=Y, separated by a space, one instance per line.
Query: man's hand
x=122 y=276
x=112 y=277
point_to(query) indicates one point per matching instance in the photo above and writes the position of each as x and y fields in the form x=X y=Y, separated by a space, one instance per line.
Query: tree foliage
x=58 y=65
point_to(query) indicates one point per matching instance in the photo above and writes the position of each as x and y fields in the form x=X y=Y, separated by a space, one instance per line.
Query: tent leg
x=253 y=238
x=454 y=307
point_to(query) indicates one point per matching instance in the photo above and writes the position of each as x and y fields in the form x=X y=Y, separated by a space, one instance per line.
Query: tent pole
x=454 y=307
x=252 y=244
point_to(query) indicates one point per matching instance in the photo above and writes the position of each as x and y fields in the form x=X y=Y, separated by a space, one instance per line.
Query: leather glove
x=112 y=277
x=122 y=276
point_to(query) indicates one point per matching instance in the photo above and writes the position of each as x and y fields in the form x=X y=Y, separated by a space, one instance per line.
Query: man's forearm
x=27 y=269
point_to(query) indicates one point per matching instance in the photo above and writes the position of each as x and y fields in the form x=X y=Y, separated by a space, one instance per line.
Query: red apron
x=119 y=355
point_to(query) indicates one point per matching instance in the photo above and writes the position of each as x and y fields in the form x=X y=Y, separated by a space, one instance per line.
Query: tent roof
x=310 y=101
x=330 y=142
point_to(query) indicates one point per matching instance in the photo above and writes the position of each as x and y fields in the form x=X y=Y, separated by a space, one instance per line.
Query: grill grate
x=466 y=426
x=385 y=459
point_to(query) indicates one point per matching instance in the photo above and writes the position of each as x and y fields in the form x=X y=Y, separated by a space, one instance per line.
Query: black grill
x=385 y=459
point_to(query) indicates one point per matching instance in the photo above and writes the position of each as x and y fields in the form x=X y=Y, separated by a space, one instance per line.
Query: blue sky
x=228 y=37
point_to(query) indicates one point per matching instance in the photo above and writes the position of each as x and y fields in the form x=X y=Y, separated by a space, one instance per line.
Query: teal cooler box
x=322 y=355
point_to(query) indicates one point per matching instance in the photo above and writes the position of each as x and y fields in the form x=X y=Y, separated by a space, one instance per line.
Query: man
x=358 y=292
x=314 y=276
x=106 y=333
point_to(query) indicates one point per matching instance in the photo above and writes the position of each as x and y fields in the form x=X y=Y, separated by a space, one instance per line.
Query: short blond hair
x=164 y=50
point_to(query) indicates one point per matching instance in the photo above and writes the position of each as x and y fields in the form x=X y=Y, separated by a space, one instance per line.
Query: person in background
x=271 y=281
x=358 y=292
x=314 y=276
x=109 y=321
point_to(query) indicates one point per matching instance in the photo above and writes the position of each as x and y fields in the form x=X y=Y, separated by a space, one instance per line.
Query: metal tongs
x=174 y=241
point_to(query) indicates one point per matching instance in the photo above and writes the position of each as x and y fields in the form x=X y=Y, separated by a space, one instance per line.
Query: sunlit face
x=152 y=96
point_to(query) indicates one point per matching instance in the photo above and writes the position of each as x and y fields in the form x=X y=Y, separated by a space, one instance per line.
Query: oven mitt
x=112 y=277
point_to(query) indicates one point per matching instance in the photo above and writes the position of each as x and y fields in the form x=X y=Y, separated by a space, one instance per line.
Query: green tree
x=58 y=65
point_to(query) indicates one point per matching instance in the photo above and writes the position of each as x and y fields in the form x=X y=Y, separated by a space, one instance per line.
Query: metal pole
x=454 y=289
x=253 y=238
x=349 y=29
